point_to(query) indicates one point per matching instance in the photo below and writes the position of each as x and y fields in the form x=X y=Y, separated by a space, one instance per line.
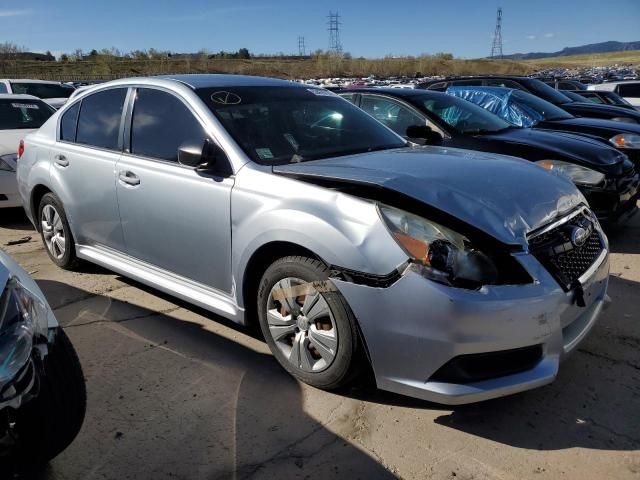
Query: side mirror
x=424 y=132
x=199 y=156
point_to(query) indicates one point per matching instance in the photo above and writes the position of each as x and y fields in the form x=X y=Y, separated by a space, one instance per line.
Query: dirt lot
x=175 y=392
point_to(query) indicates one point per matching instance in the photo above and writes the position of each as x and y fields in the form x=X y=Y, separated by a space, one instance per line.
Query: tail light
x=21 y=148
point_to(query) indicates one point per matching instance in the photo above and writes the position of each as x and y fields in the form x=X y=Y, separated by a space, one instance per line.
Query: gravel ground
x=175 y=392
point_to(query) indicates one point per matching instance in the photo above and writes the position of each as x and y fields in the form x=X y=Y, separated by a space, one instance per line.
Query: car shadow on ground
x=251 y=418
x=171 y=398
x=592 y=404
x=15 y=219
x=625 y=238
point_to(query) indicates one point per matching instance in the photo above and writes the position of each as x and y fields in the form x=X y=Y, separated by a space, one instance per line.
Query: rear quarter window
x=69 y=123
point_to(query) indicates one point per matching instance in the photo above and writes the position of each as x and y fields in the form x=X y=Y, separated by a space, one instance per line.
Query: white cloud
x=549 y=35
x=531 y=37
x=14 y=13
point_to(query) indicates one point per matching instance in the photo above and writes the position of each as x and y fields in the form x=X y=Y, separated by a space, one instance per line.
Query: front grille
x=565 y=258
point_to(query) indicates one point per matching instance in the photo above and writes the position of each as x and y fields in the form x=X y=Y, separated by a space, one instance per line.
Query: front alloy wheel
x=302 y=327
x=308 y=324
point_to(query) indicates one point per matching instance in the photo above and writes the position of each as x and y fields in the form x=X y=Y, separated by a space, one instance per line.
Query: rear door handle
x=129 y=178
x=61 y=160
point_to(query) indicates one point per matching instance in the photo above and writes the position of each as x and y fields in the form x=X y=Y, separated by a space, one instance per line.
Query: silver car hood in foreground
x=502 y=196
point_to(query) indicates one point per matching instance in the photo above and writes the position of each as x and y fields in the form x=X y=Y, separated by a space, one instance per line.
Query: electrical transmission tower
x=302 y=49
x=496 y=46
x=334 y=33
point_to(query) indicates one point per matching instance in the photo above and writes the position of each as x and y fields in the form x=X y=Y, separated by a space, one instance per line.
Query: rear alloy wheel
x=56 y=233
x=308 y=324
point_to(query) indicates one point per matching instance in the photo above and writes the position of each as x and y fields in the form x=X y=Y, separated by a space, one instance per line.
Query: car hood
x=563 y=146
x=585 y=108
x=10 y=139
x=502 y=196
x=600 y=125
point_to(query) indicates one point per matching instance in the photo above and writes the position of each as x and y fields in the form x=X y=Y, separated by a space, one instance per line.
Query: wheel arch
x=257 y=264
x=37 y=193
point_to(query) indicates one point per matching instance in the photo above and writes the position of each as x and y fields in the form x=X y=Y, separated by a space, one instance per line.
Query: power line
x=334 y=33
x=496 y=46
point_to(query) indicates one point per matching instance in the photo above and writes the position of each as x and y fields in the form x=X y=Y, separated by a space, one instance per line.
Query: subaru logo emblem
x=579 y=236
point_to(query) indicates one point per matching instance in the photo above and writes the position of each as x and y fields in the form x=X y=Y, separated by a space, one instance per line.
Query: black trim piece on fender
x=368 y=279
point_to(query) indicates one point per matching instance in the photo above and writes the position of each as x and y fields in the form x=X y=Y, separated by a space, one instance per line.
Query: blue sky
x=370 y=28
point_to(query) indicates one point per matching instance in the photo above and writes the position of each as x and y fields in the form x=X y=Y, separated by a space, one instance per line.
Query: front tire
x=308 y=324
x=56 y=233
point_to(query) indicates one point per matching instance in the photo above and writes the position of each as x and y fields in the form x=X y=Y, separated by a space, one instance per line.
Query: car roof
x=395 y=92
x=197 y=81
x=478 y=77
x=29 y=80
x=17 y=96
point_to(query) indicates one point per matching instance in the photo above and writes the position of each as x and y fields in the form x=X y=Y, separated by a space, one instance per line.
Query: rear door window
x=100 y=117
x=495 y=82
x=395 y=115
x=162 y=123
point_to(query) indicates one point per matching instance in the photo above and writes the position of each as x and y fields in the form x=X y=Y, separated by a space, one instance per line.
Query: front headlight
x=576 y=173
x=23 y=316
x=447 y=256
x=625 y=140
x=624 y=119
x=8 y=161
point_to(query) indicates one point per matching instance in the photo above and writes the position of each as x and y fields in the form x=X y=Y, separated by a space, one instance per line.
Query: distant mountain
x=603 y=47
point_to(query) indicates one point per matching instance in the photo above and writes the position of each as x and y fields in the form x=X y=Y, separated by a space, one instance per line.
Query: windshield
x=19 y=114
x=543 y=90
x=546 y=110
x=464 y=116
x=276 y=125
x=576 y=97
x=42 y=90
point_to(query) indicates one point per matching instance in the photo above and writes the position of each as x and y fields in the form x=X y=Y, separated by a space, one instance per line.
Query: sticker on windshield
x=264 y=153
x=322 y=92
x=32 y=106
x=225 y=98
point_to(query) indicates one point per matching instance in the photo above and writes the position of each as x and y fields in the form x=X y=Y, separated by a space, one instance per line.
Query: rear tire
x=46 y=425
x=306 y=351
x=56 y=233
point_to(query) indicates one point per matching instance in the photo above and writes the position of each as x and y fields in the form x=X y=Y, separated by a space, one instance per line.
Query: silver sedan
x=455 y=276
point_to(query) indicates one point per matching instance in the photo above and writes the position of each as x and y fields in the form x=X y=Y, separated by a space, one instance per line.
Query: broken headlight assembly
x=446 y=256
x=23 y=320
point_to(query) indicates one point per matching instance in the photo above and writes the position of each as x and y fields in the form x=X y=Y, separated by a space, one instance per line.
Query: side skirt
x=180 y=287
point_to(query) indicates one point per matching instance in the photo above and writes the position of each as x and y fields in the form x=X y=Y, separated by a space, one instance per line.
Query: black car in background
x=605 y=175
x=525 y=110
x=602 y=97
x=539 y=89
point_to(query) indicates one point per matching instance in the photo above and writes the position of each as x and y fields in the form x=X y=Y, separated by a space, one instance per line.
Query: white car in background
x=54 y=93
x=19 y=115
x=628 y=89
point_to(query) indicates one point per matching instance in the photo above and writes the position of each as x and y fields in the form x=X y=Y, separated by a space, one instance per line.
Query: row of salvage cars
x=455 y=273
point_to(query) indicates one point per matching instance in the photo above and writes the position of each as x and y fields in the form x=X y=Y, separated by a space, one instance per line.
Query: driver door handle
x=61 y=160
x=128 y=177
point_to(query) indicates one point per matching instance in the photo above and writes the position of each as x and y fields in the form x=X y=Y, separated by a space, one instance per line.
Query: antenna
x=496 y=46
x=334 y=33
x=302 y=49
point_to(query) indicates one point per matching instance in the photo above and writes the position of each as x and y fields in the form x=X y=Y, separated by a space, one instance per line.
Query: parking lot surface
x=176 y=392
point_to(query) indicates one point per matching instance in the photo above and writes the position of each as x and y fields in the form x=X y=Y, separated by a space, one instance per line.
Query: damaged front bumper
x=454 y=346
